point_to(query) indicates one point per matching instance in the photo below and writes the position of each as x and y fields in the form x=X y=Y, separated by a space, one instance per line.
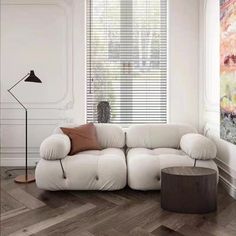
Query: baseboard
x=230 y=189
x=227 y=178
x=14 y=161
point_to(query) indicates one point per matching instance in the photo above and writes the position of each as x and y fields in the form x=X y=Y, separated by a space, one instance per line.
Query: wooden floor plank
x=32 y=217
x=140 y=220
x=8 y=202
x=232 y=224
x=32 y=229
x=109 y=232
x=14 y=212
x=139 y=232
x=113 y=198
x=26 y=199
x=176 y=220
x=216 y=229
x=193 y=231
x=124 y=213
x=81 y=223
x=165 y=231
x=54 y=199
x=226 y=215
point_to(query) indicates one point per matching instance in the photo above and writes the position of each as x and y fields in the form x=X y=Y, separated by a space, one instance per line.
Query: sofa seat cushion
x=89 y=170
x=155 y=151
x=145 y=165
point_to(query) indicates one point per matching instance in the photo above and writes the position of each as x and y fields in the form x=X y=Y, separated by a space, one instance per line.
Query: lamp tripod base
x=22 y=179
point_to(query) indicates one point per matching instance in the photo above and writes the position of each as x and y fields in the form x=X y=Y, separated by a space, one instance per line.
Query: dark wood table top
x=188 y=171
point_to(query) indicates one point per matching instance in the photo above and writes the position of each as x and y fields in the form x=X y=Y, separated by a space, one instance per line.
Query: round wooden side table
x=189 y=189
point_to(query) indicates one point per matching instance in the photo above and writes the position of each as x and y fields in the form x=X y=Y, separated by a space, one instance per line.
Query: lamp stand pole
x=26 y=145
x=23 y=178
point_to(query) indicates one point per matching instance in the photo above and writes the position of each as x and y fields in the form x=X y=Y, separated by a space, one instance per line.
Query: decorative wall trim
x=44 y=116
x=231 y=190
x=34 y=121
x=227 y=178
x=227 y=170
x=15 y=161
x=67 y=99
x=20 y=150
x=209 y=106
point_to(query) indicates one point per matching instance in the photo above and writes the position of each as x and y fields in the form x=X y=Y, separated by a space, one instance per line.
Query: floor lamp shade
x=30 y=77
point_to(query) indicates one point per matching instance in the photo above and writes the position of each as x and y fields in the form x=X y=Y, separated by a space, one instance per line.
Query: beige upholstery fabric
x=88 y=170
x=56 y=146
x=156 y=136
x=108 y=135
x=198 y=146
x=151 y=148
x=145 y=165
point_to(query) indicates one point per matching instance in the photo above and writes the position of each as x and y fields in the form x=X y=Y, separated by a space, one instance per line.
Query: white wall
x=209 y=92
x=49 y=37
x=183 y=67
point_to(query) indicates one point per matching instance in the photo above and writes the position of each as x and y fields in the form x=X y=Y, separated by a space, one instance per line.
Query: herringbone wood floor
x=27 y=210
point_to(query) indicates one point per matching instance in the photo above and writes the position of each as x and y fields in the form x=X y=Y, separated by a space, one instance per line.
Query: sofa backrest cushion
x=108 y=135
x=156 y=135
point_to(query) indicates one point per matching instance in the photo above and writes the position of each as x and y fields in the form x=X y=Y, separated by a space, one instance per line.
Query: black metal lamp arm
x=9 y=90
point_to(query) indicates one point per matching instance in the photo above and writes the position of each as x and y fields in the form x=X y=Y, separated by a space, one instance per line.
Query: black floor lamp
x=30 y=77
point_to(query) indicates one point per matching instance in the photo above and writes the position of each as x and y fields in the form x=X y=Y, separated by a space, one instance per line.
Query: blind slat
x=126 y=60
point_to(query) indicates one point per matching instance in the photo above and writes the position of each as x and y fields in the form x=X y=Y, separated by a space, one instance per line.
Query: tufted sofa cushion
x=145 y=165
x=198 y=146
x=88 y=170
x=156 y=136
x=56 y=146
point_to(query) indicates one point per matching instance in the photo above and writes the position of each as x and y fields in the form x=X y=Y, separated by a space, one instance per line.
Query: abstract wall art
x=228 y=70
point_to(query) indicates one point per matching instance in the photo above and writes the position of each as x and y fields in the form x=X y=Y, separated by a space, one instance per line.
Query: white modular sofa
x=88 y=170
x=154 y=147
x=150 y=148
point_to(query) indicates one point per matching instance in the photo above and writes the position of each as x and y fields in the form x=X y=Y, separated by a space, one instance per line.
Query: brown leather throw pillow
x=82 y=138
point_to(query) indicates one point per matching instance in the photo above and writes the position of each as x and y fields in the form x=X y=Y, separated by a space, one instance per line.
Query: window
x=127 y=59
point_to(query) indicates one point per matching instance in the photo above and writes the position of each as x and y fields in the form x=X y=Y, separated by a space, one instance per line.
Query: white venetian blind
x=127 y=59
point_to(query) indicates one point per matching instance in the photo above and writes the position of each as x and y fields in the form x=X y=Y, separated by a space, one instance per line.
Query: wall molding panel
x=11 y=160
x=63 y=10
x=44 y=44
x=209 y=74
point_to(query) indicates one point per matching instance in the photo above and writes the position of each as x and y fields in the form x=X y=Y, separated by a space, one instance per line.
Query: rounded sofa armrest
x=198 y=146
x=55 y=147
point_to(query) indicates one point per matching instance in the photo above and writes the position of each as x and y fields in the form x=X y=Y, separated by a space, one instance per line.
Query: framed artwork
x=228 y=70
